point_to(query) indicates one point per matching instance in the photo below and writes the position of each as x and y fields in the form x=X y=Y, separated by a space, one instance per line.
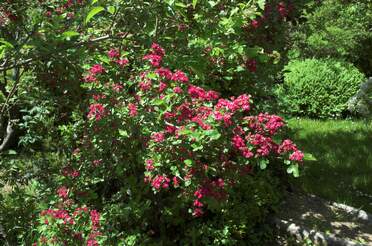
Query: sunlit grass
x=341 y=170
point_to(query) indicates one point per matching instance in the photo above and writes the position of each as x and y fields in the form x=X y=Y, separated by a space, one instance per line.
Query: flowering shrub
x=151 y=127
x=79 y=226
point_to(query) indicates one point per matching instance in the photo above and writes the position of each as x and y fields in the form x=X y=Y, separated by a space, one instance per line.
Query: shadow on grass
x=342 y=171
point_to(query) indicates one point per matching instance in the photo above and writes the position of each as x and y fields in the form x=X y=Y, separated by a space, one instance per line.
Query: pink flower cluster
x=73 y=223
x=96 y=111
x=114 y=55
x=288 y=146
x=158 y=137
x=132 y=109
x=155 y=56
x=60 y=214
x=62 y=192
x=160 y=181
x=199 y=93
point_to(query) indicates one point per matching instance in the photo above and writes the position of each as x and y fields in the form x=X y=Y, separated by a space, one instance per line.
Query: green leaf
x=188 y=162
x=261 y=4
x=111 y=9
x=104 y=59
x=70 y=34
x=6 y=43
x=263 y=163
x=294 y=170
x=12 y=152
x=309 y=157
x=123 y=133
x=93 y=12
x=182 y=5
x=194 y=2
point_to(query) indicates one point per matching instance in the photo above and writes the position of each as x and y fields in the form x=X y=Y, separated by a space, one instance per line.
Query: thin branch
x=11 y=93
x=27 y=61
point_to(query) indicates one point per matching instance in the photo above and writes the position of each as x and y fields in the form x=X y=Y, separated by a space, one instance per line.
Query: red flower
x=90 y=78
x=132 y=109
x=197 y=212
x=286 y=146
x=177 y=90
x=62 y=192
x=97 y=69
x=255 y=23
x=162 y=87
x=251 y=65
x=122 y=62
x=95 y=217
x=157 y=49
x=180 y=76
x=92 y=242
x=113 y=53
x=96 y=111
x=155 y=60
x=164 y=73
x=149 y=165
x=197 y=203
x=158 y=137
x=175 y=182
x=297 y=156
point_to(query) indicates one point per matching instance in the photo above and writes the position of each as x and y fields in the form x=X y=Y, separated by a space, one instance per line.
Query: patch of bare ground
x=313 y=215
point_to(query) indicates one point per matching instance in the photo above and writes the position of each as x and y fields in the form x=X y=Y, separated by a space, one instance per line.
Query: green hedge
x=318 y=88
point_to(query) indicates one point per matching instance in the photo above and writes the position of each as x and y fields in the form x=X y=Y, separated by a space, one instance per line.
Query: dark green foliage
x=25 y=183
x=318 y=88
x=165 y=222
x=338 y=29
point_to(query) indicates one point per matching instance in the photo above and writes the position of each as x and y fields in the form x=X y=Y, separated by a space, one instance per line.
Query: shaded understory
x=314 y=214
x=340 y=168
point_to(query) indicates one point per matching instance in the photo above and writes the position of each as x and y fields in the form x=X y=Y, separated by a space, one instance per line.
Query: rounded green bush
x=318 y=88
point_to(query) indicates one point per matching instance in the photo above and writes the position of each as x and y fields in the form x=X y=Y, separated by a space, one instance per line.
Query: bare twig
x=28 y=61
x=11 y=93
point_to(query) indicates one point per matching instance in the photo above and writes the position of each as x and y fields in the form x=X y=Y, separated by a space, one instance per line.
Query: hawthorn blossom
x=297 y=156
x=62 y=192
x=164 y=73
x=157 y=49
x=177 y=90
x=96 y=111
x=197 y=212
x=95 y=217
x=158 y=137
x=251 y=65
x=160 y=182
x=286 y=146
x=113 y=53
x=162 y=87
x=150 y=165
x=155 y=60
x=255 y=24
x=132 y=109
x=197 y=203
x=122 y=62
x=97 y=69
x=180 y=77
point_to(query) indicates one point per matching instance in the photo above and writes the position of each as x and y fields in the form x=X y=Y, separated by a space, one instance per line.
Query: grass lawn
x=341 y=170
